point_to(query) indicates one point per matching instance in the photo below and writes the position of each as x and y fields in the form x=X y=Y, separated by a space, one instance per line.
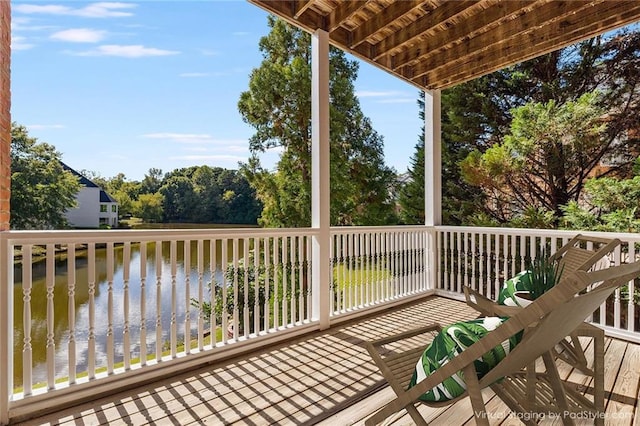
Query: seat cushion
x=522 y=281
x=452 y=340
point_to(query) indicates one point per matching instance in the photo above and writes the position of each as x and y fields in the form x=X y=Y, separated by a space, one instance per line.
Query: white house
x=95 y=206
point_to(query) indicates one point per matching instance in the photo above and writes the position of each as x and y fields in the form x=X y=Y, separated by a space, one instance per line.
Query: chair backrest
x=560 y=314
x=583 y=252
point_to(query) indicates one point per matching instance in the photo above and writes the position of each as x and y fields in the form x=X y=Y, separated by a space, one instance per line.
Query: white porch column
x=320 y=213
x=432 y=177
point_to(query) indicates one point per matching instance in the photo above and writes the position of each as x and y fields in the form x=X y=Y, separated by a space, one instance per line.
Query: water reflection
x=157 y=288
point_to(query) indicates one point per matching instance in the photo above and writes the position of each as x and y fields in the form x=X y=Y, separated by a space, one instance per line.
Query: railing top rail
x=136 y=235
x=374 y=229
x=625 y=236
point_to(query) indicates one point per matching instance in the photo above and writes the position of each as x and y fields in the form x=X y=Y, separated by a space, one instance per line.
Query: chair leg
x=415 y=415
x=557 y=387
x=598 y=376
x=475 y=394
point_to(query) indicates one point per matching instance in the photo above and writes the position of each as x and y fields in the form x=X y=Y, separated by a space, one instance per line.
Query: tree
x=545 y=159
x=152 y=181
x=278 y=106
x=477 y=115
x=148 y=207
x=41 y=190
x=458 y=197
x=609 y=204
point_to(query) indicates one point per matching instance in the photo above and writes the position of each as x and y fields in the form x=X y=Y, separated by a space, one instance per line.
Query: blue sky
x=126 y=86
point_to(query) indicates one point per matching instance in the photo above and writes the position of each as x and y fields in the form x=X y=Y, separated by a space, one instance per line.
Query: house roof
x=435 y=44
x=104 y=197
x=83 y=180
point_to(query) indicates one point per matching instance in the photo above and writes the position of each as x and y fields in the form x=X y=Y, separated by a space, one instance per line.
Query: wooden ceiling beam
x=567 y=31
x=300 y=6
x=391 y=13
x=505 y=34
x=342 y=12
x=424 y=25
x=311 y=21
x=489 y=18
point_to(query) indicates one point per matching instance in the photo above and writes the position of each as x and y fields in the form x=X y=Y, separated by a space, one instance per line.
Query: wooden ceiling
x=435 y=44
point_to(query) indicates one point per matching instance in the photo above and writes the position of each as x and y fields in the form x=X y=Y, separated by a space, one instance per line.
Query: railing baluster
x=256 y=285
x=276 y=284
x=126 y=333
x=308 y=293
x=200 y=251
x=143 y=303
x=110 y=308
x=301 y=286
x=267 y=284
x=71 y=292
x=173 y=323
x=27 y=348
x=294 y=282
x=631 y=292
x=245 y=302
x=225 y=314
x=51 y=344
x=236 y=295
x=285 y=281
x=158 y=260
x=186 y=266
x=91 y=272
x=213 y=289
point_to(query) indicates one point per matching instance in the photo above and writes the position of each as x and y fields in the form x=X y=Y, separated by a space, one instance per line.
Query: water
x=154 y=290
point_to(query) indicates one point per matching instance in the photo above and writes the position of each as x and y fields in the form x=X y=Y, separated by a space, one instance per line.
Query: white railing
x=482 y=258
x=376 y=265
x=93 y=307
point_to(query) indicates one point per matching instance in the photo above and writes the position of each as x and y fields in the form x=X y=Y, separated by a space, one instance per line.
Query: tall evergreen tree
x=477 y=115
x=278 y=106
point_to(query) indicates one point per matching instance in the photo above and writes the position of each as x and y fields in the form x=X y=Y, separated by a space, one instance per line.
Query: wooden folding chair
x=581 y=253
x=545 y=322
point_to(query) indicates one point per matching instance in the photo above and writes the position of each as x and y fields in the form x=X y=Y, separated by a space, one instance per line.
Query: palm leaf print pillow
x=522 y=281
x=452 y=340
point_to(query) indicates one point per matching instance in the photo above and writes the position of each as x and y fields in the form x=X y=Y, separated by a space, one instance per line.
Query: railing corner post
x=6 y=327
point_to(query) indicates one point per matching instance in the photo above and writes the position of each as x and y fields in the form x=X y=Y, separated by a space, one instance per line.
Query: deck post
x=433 y=179
x=320 y=192
x=6 y=266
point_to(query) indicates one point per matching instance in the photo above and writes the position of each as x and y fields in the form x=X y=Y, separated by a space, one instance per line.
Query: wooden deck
x=327 y=378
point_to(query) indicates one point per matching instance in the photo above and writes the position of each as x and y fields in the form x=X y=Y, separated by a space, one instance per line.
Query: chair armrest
x=479 y=302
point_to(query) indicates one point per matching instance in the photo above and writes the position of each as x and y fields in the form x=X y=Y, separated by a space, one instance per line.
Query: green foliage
x=608 y=205
x=148 y=207
x=411 y=198
x=41 y=190
x=278 y=106
x=477 y=115
x=543 y=162
x=543 y=274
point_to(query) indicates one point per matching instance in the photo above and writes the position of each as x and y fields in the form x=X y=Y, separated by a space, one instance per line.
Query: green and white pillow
x=520 y=282
x=452 y=340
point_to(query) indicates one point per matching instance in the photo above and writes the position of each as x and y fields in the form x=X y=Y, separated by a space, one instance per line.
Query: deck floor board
x=325 y=378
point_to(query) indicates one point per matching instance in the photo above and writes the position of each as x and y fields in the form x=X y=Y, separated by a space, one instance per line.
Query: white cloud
x=194 y=74
x=45 y=126
x=377 y=93
x=181 y=137
x=209 y=52
x=94 y=10
x=129 y=51
x=398 y=101
x=387 y=96
x=79 y=35
x=20 y=43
